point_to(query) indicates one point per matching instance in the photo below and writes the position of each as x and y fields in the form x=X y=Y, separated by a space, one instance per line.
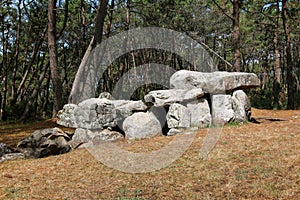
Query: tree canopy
x=260 y=36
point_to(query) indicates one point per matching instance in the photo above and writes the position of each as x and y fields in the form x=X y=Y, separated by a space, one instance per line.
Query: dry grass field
x=250 y=161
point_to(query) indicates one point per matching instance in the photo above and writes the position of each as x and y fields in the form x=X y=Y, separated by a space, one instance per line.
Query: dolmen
x=194 y=100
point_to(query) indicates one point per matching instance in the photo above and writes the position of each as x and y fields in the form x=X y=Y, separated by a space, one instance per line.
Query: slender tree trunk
x=55 y=76
x=289 y=63
x=83 y=38
x=3 y=114
x=4 y=66
x=277 y=82
x=16 y=57
x=26 y=71
x=236 y=61
x=276 y=47
x=96 y=40
x=46 y=94
x=108 y=78
x=77 y=84
x=110 y=18
x=34 y=92
x=99 y=24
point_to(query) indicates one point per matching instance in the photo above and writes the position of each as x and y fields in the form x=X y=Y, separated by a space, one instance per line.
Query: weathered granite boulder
x=105 y=95
x=66 y=116
x=168 y=97
x=92 y=113
x=174 y=131
x=7 y=153
x=178 y=116
x=82 y=136
x=125 y=108
x=98 y=113
x=108 y=135
x=5 y=149
x=12 y=156
x=222 y=111
x=141 y=125
x=42 y=143
x=200 y=113
x=215 y=82
x=241 y=106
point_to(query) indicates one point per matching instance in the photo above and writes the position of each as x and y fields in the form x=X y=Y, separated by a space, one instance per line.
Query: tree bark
x=55 y=77
x=34 y=93
x=276 y=47
x=16 y=57
x=289 y=63
x=79 y=84
x=235 y=18
x=236 y=61
x=277 y=82
x=3 y=114
x=99 y=24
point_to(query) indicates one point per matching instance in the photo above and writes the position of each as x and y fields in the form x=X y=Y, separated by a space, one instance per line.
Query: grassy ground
x=251 y=161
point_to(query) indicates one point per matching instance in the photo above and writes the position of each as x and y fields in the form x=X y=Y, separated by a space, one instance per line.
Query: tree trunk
x=110 y=18
x=34 y=92
x=3 y=114
x=78 y=84
x=289 y=63
x=99 y=24
x=46 y=94
x=236 y=61
x=55 y=77
x=74 y=96
x=276 y=48
x=16 y=57
x=277 y=82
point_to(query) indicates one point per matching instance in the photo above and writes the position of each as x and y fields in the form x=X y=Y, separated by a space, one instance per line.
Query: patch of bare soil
x=251 y=161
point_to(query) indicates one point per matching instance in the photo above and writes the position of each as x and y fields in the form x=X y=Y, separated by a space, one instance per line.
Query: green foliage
x=24 y=57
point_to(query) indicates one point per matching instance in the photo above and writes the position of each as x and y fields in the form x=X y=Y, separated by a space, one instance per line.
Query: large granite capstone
x=214 y=83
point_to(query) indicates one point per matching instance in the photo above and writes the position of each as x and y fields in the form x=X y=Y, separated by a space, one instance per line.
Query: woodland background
x=43 y=43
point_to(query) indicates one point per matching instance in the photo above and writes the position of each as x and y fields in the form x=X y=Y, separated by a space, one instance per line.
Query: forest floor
x=250 y=161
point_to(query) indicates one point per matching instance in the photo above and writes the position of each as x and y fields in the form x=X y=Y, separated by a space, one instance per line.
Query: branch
x=210 y=50
x=223 y=11
x=65 y=19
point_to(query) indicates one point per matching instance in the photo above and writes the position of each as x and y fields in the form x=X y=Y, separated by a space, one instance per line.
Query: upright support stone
x=178 y=116
x=241 y=106
x=222 y=111
x=200 y=113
